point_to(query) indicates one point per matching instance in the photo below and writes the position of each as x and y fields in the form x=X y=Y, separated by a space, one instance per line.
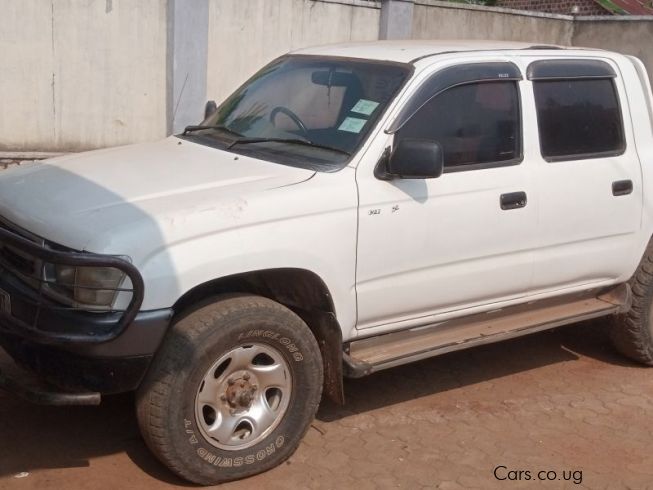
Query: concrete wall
x=442 y=20
x=81 y=74
x=433 y=19
x=77 y=74
x=626 y=36
x=246 y=34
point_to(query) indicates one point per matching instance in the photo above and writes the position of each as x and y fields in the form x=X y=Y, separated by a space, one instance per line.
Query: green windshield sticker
x=352 y=125
x=364 y=106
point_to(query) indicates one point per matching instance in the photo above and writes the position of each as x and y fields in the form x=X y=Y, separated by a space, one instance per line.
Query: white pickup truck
x=348 y=209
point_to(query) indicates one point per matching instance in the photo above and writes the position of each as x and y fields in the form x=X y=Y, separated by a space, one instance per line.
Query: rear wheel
x=232 y=391
x=632 y=332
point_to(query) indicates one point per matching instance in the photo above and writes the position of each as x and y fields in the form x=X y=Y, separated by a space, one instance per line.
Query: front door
x=465 y=239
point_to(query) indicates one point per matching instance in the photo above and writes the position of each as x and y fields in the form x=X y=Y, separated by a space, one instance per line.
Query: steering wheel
x=294 y=117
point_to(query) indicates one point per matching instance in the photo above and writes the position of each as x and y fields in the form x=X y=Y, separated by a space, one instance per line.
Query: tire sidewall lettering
x=288 y=344
x=209 y=457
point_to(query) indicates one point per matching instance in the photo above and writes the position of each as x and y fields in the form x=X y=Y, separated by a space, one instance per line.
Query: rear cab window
x=578 y=110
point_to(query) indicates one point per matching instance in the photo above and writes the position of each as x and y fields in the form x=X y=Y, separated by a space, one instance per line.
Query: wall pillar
x=187 y=57
x=396 y=19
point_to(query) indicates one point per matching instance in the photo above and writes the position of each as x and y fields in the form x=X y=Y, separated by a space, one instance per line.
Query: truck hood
x=72 y=200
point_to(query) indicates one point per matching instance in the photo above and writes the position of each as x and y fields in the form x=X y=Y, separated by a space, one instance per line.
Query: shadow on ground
x=476 y=365
x=45 y=438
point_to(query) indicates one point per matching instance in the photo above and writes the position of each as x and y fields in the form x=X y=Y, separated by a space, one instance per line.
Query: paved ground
x=558 y=401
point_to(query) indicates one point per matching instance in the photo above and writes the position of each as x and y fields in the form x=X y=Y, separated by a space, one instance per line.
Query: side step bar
x=372 y=354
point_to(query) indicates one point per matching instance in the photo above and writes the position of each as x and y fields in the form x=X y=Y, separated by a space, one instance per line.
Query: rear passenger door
x=587 y=173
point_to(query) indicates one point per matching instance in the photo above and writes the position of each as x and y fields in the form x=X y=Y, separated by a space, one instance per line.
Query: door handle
x=622 y=187
x=513 y=200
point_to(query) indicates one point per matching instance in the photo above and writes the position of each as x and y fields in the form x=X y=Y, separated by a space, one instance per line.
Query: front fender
x=309 y=226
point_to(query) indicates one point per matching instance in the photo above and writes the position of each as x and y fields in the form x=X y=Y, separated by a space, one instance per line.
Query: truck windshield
x=306 y=111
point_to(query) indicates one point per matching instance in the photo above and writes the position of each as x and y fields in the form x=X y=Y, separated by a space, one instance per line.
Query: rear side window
x=477 y=125
x=578 y=118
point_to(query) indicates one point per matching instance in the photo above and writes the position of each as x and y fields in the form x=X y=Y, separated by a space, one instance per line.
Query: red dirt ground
x=560 y=401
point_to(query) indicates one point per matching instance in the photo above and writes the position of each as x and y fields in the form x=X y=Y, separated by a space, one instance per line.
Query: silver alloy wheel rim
x=243 y=396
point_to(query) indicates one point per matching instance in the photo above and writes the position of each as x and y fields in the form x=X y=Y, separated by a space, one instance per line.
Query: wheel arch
x=300 y=290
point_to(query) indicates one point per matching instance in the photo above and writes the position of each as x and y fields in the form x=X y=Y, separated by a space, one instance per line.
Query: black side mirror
x=412 y=159
x=210 y=109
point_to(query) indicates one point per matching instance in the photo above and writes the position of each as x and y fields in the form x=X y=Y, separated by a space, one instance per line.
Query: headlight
x=84 y=286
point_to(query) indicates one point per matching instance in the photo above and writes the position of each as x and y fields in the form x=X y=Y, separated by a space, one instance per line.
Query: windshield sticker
x=352 y=125
x=364 y=106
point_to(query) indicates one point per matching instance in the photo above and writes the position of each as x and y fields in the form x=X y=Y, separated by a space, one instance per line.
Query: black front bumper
x=79 y=354
x=33 y=390
x=116 y=366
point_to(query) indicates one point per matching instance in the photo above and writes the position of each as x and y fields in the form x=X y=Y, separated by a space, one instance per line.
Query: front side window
x=305 y=111
x=476 y=124
x=578 y=118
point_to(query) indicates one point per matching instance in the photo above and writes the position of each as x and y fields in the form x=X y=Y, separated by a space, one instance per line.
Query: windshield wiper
x=296 y=141
x=222 y=127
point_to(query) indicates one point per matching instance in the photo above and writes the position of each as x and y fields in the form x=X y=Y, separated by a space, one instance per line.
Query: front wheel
x=232 y=391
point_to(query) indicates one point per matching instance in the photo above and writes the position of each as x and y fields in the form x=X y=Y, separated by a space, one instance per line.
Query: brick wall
x=585 y=7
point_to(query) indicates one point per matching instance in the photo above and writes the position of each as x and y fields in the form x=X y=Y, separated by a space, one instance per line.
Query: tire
x=632 y=332
x=232 y=391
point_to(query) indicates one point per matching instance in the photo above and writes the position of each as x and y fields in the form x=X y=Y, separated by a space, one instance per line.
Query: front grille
x=27 y=264
x=18 y=262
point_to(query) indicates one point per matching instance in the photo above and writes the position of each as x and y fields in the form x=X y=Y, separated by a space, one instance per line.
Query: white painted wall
x=78 y=74
x=82 y=74
x=442 y=20
x=245 y=35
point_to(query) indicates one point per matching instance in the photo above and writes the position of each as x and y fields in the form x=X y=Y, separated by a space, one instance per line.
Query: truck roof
x=410 y=51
